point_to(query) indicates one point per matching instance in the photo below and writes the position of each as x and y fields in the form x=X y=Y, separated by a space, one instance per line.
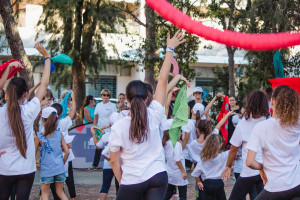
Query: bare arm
x=95 y=120
x=93 y=131
x=231 y=156
x=73 y=111
x=169 y=99
x=65 y=149
x=116 y=164
x=179 y=165
x=251 y=162
x=161 y=89
x=31 y=91
x=46 y=74
x=211 y=103
x=199 y=183
x=175 y=80
x=224 y=120
x=87 y=115
x=185 y=140
x=6 y=73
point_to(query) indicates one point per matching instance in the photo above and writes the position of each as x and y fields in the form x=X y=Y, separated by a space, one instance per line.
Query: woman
x=121 y=103
x=102 y=113
x=278 y=138
x=257 y=110
x=88 y=109
x=136 y=151
x=236 y=109
x=17 y=148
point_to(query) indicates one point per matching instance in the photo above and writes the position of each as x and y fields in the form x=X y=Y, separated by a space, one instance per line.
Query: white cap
x=167 y=124
x=198 y=89
x=200 y=107
x=46 y=112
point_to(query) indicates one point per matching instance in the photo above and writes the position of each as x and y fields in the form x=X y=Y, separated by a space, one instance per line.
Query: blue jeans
x=108 y=175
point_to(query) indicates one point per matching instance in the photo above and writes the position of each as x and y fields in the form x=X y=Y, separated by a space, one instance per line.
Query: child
x=278 y=138
x=210 y=167
x=52 y=161
x=177 y=176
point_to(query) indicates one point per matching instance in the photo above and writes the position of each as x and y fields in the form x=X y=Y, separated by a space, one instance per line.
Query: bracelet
x=170 y=49
x=47 y=58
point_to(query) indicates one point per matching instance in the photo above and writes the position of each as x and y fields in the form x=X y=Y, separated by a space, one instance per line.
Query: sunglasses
x=105 y=95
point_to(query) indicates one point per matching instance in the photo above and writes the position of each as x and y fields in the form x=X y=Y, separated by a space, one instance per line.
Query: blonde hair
x=105 y=90
x=211 y=147
x=287 y=105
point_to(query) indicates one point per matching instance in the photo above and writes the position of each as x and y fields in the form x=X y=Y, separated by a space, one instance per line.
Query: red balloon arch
x=254 y=42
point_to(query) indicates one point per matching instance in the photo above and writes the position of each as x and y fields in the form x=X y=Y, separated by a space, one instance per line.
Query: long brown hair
x=15 y=90
x=86 y=102
x=287 y=106
x=136 y=93
x=257 y=105
x=50 y=124
x=211 y=147
x=166 y=137
x=203 y=125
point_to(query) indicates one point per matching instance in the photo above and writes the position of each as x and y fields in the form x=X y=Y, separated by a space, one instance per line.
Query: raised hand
x=15 y=64
x=176 y=40
x=42 y=50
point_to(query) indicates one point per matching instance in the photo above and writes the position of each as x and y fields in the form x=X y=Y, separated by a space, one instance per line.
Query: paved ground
x=88 y=184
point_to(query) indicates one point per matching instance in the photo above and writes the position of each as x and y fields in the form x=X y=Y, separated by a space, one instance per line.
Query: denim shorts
x=52 y=179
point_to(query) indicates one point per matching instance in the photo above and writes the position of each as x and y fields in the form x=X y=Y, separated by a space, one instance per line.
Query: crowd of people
x=263 y=150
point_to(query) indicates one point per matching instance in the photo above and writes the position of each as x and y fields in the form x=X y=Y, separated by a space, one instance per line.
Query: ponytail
x=139 y=122
x=166 y=137
x=15 y=90
x=50 y=124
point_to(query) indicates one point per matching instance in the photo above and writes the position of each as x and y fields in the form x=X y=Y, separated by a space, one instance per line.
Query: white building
x=116 y=78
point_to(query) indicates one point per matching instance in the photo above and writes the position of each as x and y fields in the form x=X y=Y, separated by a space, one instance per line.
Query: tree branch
x=15 y=2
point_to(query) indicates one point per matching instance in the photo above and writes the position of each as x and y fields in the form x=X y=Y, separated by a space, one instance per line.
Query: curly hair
x=257 y=105
x=212 y=147
x=287 y=105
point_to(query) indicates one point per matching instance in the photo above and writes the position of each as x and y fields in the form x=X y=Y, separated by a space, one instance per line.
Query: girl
x=177 y=176
x=257 y=110
x=210 y=167
x=87 y=110
x=52 y=161
x=17 y=144
x=279 y=138
x=236 y=108
x=136 y=151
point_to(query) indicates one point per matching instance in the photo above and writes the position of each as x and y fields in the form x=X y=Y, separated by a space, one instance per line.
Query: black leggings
x=153 y=189
x=170 y=192
x=108 y=175
x=23 y=184
x=97 y=157
x=214 y=189
x=244 y=185
x=292 y=194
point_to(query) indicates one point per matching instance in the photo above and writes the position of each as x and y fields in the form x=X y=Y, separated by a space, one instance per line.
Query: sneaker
x=92 y=168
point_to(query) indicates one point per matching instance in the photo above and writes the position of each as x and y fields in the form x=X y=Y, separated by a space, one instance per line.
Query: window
x=206 y=84
x=104 y=82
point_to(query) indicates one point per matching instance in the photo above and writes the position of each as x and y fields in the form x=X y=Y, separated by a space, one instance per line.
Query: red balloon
x=13 y=70
x=254 y=42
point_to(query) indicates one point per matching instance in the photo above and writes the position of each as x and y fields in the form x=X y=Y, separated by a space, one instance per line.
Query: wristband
x=170 y=49
x=47 y=58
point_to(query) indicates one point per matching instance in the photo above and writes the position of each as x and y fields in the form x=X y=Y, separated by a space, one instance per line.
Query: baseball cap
x=198 y=89
x=46 y=112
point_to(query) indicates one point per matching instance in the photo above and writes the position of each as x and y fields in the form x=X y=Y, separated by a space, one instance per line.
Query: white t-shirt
x=102 y=144
x=190 y=128
x=12 y=162
x=104 y=111
x=194 y=148
x=173 y=155
x=280 y=152
x=63 y=125
x=211 y=169
x=240 y=138
x=139 y=162
x=238 y=163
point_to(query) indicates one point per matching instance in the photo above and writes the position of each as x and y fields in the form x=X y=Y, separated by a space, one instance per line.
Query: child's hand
x=176 y=40
x=184 y=175
x=175 y=89
x=15 y=64
x=263 y=177
x=42 y=50
x=230 y=113
x=220 y=95
x=200 y=185
x=182 y=78
x=93 y=131
x=69 y=145
x=72 y=94
x=226 y=173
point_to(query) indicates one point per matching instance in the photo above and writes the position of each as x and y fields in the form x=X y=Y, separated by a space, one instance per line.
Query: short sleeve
x=156 y=111
x=254 y=142
x=197 y=171
x=215 y=131
x=177 y=152
x=97 y=109
x=32 y=109
x=115 y=140
x=186 y=128
x=237 y=137
x=68 y=122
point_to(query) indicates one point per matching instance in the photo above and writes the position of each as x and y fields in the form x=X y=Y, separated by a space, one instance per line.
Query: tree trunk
x=230 y=52
x=14 y=40
x=150 y=50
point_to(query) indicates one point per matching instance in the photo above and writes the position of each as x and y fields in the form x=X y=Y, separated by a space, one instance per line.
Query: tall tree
x=14 y=39
x=75 y=27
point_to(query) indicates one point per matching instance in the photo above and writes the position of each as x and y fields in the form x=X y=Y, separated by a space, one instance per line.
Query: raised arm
x=175 y=80
x=46 y=74
x=31 y=91
x=224 y=120
x=169 y=99
x=161 y=89
x=6 y=73
x=211 y=103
